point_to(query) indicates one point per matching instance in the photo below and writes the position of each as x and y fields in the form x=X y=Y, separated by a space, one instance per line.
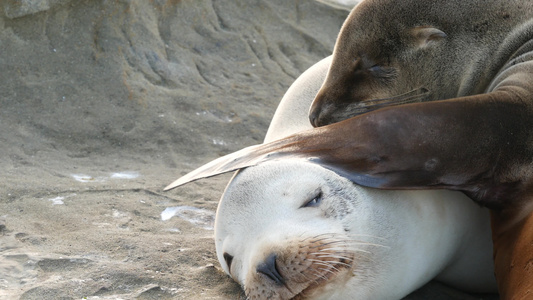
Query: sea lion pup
x=292 y=229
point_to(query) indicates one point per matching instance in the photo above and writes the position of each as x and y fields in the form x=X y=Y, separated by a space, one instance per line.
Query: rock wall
x=191 y=76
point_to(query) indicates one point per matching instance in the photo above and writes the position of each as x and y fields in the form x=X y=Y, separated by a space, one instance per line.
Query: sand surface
x=103 y=103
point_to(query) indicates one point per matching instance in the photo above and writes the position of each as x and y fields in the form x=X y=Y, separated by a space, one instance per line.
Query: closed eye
x=375 y=68
x=314 y=201
x=382 y=72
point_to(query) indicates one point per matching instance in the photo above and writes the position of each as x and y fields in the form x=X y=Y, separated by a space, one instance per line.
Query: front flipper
x=243 y=158
x=478 y=144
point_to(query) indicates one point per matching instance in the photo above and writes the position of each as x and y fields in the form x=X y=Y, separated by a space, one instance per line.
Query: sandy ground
x=103 y=103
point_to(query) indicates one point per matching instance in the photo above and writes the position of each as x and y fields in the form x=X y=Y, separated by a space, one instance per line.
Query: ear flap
x=426 y=35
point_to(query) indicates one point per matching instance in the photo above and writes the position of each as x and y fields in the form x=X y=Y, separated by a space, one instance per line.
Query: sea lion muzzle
x=317 y=118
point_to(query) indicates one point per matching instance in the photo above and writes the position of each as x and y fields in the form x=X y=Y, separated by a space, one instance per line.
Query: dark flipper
x=478 y=144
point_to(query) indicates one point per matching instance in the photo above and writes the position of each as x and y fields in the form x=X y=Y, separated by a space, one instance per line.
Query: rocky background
x=103 y=103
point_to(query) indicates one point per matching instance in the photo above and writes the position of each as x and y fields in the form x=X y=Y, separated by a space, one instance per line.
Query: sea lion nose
x=269 y=269
x=317 y=112
x=314 y=112
x=313 y=118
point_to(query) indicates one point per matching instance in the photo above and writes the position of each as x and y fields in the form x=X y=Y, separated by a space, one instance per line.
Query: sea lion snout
x=314 y=114
x=270 y=270
x=324 y=111
x=301 y=268
x=336 y=103
x=320 y=111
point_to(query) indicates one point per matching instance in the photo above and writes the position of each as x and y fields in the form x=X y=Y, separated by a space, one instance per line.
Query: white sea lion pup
x=291 y=229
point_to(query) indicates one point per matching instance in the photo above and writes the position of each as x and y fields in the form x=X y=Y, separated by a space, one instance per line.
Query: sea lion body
x=285 y=224
x=465 y=145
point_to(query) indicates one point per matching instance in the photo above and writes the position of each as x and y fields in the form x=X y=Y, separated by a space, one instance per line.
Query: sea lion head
x=287 y=230
x=291 y=229
x=396 y=52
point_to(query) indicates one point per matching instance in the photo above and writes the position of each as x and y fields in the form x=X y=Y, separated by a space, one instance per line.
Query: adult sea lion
x=292 y=229
x=479 y=140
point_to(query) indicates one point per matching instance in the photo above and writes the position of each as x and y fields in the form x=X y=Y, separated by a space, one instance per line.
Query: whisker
x=322 y=263
x=324 y=239
x=334 y=255
x=318 y=276
x=327 y=244
x=338 y=237
x=402 y=97
x=335 y=259
x=373 y=104
x=341 y=238
x=357 y=243
x=331 y=251
x=327 y=270
x=330 y=263
x=318 y=237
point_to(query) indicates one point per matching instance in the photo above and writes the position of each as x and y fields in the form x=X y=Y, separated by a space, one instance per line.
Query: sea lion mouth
x=416 y=95
x=323 y=279
x=313 y=267
x=329 y=266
